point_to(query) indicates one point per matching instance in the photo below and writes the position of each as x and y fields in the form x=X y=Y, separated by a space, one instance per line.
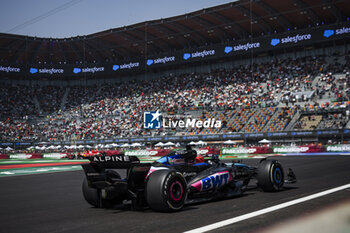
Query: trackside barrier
x=226 y=151
x=246 y=150
x=338 y=148
x=282 y=150
x=4 y=156
x=55 y=155
x=26 y=156
x=147 y=152
x=299 y=149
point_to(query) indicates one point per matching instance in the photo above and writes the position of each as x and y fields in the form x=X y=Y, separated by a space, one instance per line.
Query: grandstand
x=270 y=88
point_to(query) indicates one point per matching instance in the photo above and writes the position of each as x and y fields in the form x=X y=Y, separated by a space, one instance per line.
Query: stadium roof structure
x=216 y=25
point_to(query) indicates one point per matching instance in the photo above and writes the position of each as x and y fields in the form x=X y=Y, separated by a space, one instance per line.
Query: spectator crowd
x=115 y=109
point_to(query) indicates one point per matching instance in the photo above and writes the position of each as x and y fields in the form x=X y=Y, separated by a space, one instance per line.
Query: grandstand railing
x=329 y=133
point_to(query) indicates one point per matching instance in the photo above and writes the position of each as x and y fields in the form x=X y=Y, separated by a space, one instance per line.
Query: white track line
x=266 y=210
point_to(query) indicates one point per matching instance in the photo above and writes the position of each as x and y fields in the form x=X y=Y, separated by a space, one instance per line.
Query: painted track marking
x=35 y=170
x=266 y=210
x=12 y=166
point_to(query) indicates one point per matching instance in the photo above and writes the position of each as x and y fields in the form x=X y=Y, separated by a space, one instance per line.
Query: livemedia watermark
x=154 y=120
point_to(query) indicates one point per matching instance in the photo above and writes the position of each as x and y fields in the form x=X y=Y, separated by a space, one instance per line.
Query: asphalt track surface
x=53 y=202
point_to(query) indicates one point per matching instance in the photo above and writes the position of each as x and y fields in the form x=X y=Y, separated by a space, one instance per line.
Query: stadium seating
x=259 y=120
x=281 y=119
x=309 y=122
x=258 y=98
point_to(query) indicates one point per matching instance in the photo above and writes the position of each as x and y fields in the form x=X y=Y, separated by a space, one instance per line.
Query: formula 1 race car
x=174 y=180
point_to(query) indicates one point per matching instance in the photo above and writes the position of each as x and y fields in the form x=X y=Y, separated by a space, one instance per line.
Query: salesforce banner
x=242 y=47
x=206 y=53
x=46 y=71
x=337 y=32
x=296 y=39
x=126 y=66
x=188 y=56
x=10 y=69
x=75 y=70
x=161 y=61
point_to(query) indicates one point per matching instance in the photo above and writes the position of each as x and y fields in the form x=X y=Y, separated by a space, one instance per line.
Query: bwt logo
x=76 y=70
x=115 y=67
x=275 y=42
x=152 y=120
x=33 y=70
x=228 y=49
x=328 y=33
x=149 y=62
x=214 y=181
x=187 y=56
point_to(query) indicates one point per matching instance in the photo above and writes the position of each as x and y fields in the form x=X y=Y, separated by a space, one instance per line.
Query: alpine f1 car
x=175 y=180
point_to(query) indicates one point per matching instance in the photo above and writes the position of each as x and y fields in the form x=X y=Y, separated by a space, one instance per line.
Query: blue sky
x=67 y=18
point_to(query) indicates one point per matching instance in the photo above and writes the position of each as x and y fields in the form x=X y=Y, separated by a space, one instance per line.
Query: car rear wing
x=99 y=172
x=114 y=161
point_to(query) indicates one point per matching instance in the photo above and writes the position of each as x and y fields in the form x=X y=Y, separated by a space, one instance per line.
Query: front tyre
x=270 y=175
x=166 y=191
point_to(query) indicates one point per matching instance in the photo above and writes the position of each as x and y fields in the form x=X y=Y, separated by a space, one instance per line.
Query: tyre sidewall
x=174 y=179
x=276 y=176
x=159 y=194
x=270 y=175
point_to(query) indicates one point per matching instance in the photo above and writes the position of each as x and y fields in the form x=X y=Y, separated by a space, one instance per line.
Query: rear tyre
x=93 y=196
x=166 y=191
x=270 y=176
